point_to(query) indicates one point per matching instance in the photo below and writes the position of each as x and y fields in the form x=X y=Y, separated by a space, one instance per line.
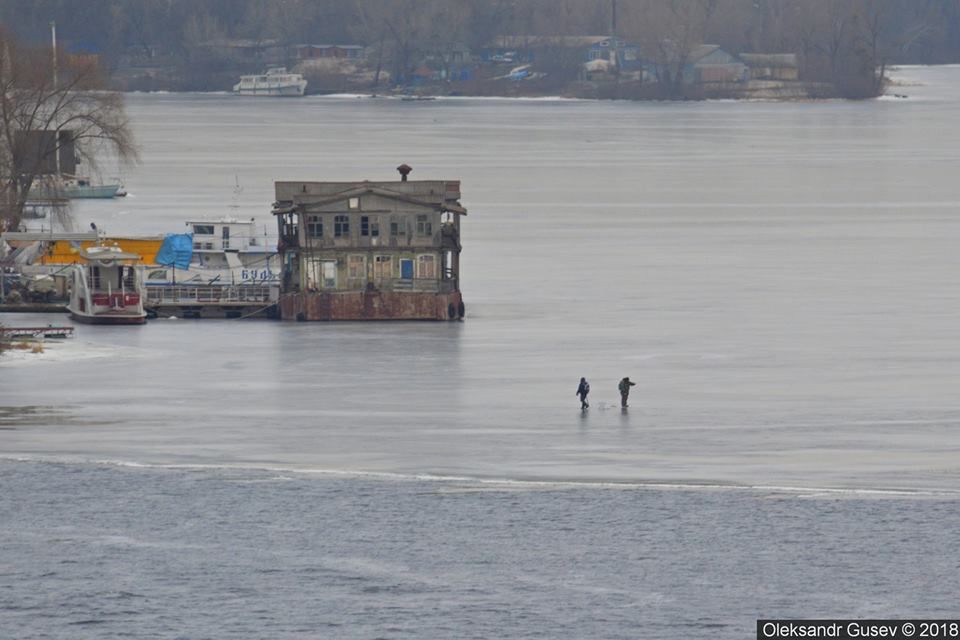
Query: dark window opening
x=341 y=226
x=369 y=227
x=424 y=226
x=315 y=226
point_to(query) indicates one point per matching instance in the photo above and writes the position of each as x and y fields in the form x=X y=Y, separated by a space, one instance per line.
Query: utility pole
x=56 y=132
x=53 y=39
x=615 y=52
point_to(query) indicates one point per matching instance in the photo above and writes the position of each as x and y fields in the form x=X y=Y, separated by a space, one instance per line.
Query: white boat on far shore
x=277 y=81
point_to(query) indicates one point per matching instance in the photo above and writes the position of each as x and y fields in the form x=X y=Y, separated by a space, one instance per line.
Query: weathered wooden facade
x=370 y=250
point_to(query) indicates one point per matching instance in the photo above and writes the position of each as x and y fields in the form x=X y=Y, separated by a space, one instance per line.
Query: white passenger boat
x=277 y=81
x=106 y=287
x=224 y=251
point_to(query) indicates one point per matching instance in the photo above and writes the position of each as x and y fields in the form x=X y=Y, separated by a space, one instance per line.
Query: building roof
x=717 y=56
x=442 y=195
x=701 y=51
x=239 y=43
x=782 y=60
x=527 y=41
x=331 y=46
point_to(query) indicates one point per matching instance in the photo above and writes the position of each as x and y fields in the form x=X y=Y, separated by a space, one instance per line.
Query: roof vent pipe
x=404 y=170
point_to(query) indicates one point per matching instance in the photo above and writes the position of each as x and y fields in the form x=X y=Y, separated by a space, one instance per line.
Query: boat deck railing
x=210 y=294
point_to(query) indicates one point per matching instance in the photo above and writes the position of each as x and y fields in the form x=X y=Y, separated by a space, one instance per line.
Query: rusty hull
x=370 y=305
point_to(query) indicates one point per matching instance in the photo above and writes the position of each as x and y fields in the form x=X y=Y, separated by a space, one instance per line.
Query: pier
x=211 y=301
x=34 y=333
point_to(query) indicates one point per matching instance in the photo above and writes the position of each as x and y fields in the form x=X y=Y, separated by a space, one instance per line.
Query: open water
x=779 y=279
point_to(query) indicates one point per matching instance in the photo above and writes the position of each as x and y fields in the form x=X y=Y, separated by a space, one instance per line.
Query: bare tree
x=69 y=105
x=668 y=31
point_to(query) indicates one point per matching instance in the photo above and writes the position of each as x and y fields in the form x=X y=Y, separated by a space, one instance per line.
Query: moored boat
x=73 y=188
x=224 y=251
x=277 y=81
x=106 y=287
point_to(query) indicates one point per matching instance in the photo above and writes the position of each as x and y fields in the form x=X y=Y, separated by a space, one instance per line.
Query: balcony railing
x=420 y=284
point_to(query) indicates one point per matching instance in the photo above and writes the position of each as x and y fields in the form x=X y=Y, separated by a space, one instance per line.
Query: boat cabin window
x=127 y=278
x=203 y=229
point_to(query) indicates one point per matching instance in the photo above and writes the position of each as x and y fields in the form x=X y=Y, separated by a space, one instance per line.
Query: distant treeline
x=844 y=42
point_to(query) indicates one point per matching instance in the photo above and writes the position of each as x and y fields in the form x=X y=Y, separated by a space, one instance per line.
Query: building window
x=383 y=267
x=424 y=226
x=329 y=274
x=353 y=203
x=203 y=229
x=315 y=226
x=398 y=227
x=356 y=266
x=426 y=267
x=341 y=226
x=369 y=226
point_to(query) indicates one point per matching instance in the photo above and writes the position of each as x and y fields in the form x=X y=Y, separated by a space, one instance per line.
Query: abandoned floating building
x=370 y=250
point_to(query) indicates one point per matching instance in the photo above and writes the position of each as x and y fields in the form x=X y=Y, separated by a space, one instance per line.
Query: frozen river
x=779 y=279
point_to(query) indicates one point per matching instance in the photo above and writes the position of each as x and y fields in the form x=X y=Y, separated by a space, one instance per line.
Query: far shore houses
x=370 y=250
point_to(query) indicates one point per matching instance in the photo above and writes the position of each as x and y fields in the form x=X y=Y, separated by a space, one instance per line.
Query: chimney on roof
x=404 y=169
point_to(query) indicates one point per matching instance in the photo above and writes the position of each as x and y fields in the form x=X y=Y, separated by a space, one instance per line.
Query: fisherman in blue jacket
x=582 y=391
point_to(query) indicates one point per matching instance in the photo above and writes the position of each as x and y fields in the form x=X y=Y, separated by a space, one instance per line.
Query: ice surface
x=779 y=279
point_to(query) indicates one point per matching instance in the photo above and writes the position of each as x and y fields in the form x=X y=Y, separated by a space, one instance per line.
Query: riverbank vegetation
x=841 y=47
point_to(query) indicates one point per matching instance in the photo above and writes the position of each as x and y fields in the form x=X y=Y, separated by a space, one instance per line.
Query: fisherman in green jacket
x=624 y=387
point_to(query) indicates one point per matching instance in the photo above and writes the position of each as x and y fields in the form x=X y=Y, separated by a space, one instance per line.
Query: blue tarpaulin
x=176 y=250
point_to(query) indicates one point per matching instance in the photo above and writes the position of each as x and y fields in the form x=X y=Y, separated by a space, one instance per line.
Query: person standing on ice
x=624 y=387
x=582 y=391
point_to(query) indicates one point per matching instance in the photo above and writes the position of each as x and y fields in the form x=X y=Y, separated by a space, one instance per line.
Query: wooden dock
x=34 y=333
